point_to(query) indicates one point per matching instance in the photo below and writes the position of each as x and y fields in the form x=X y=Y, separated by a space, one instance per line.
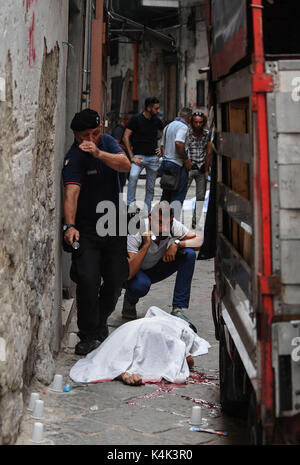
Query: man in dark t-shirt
x=140 y=139
x=117 y=133
x=90 y=176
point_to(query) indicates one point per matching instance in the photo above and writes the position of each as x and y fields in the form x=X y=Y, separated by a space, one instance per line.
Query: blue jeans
x=180 y=194
x=151 y=164
x=140 y=284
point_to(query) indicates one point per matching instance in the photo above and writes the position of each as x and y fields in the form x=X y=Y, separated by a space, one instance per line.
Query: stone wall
x=33 y=66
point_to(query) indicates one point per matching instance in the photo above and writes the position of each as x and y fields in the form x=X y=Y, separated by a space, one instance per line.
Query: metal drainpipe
x=182 y=60
x=135 y=77
x=185 y=78
x=87 y=52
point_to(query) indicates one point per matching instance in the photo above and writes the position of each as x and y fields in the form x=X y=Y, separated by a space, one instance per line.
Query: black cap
x=85 y=119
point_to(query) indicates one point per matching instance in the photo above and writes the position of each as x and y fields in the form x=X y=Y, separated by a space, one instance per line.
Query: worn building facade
x=157 y=50
x=53 y=63
x=193 y=55
x=49 y=69
x=32 y=113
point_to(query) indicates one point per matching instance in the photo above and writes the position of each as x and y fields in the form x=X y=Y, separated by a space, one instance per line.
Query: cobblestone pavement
x=115 y=414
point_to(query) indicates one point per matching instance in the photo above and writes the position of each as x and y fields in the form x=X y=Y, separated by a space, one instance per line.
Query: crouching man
x=165 y=248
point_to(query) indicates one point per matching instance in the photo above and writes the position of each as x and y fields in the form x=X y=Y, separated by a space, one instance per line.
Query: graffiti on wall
x=28 y=5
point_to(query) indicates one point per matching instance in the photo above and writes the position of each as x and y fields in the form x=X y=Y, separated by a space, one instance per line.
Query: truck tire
x=254 y=429
x=233 y=400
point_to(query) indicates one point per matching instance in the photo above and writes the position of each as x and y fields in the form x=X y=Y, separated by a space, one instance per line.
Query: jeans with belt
x=140 y=284
x=151 y=164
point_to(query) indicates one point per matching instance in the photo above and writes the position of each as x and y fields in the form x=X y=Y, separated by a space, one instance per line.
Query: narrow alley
x=113 y=413
x=104 y=98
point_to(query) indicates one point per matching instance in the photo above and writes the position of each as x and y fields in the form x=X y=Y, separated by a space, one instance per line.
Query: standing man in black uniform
x=90 y=176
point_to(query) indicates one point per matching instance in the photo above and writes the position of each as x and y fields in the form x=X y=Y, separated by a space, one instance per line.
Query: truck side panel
x=284 y=136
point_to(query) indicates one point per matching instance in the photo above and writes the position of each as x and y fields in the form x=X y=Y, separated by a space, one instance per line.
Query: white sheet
x=155 y=347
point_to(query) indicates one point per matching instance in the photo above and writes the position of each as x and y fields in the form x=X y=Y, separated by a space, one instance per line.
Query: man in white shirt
x=175 y=158
x=166 y=247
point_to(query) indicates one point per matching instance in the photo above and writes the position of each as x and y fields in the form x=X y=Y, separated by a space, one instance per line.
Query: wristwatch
x=177 y=242
x=67 y=226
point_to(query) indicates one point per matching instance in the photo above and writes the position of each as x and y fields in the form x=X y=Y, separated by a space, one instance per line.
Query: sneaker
x=85 y=347
x=128 y=310
x=179 y=312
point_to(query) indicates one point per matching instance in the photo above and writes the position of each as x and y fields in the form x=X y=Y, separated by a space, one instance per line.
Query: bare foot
x=190 y=361
x=134 y=379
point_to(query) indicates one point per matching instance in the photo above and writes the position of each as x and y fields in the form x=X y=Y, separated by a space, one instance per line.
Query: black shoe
x=85 y=347
x=103 y=333
x=128 y=310
x=193 y=327
x=205 y=255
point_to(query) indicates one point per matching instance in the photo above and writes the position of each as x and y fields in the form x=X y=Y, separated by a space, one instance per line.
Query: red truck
x=254 y=49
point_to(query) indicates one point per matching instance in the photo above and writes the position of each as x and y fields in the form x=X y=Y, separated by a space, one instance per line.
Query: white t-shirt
x=155 y=251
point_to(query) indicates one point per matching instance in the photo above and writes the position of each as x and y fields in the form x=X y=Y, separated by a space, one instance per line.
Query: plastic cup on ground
x=38 y=410
x=196 y=416
x=37 y=433
x=57 y=384
x=34 y=396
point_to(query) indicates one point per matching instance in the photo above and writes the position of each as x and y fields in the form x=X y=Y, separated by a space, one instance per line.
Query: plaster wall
x=192 y=54
x=32 y=114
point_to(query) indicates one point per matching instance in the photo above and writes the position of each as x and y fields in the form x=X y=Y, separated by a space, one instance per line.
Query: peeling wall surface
x=150 y=70
x=32 y=132
x=192 y=54
x=192 y=43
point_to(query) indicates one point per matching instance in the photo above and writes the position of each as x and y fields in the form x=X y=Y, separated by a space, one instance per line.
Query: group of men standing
x=185 y=150
x=95 y=171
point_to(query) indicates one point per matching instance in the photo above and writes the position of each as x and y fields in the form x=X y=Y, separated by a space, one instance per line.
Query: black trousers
x=99 y=268
x=208 y=248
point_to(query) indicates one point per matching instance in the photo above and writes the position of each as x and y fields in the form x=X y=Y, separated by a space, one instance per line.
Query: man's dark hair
x=150 y=101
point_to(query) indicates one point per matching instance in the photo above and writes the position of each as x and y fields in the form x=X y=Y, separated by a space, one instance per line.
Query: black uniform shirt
x=98 y=181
